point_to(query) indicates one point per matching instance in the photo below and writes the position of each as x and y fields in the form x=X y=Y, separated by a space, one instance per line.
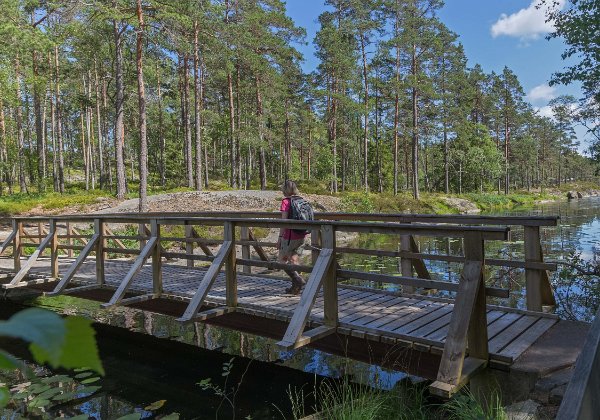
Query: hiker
x=291 y=241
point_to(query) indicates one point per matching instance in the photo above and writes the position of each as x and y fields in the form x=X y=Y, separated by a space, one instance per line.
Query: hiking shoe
x=294 y=290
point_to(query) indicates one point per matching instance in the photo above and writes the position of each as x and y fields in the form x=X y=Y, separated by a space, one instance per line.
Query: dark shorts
x=290 y=247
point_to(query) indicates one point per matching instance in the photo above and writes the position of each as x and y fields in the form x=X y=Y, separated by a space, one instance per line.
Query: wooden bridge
x=445 y=338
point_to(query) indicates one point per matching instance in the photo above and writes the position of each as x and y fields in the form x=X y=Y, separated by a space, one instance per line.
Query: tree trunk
x=232 y=134
x=99 y=124
x=261 y=135
x=396 y=98
x=20 y=136
x=119 y=131
x=61 y=161
x=143 y=204
x=366 y=117
x=161 y=136
x=415 y=128
x=197 y=110
x=189 y=156
x=39 y=134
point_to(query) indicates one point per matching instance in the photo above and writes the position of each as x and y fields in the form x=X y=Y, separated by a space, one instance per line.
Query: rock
x=523 y=410
x=571 y=195
x=462 y=205
x=557 y=394
x=579 y=194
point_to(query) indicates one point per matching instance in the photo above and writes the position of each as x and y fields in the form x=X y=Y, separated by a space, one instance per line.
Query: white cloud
x=542 y=93
x=544 y=111
x=527 y=23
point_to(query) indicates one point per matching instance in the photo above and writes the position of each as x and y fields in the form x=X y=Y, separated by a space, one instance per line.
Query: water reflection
x=578 y=232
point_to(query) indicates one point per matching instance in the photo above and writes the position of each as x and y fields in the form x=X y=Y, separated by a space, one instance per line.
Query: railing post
x=100 y=245
x=315 y=242
x=537 y=282
x=40 y=232
x=69 y=240
x=17 y=226
x=245 y=236
x=189 y=245
x=157 y=283
x=477 y=335
x=230 y=266
x=330 y=293
x=405 y=263
x=53 y=250
x=142 y=232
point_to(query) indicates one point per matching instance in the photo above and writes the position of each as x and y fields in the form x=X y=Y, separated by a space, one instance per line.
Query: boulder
x=571 y=195
x=579 y=194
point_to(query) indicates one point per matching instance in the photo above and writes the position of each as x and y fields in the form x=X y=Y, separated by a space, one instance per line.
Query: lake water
x=150 y=357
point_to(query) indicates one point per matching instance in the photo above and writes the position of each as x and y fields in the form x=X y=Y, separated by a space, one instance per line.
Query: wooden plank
x=477 y=332
x=54 y=250
x=388 y=309
x=207 y=282
x=311 y=336
x=32 y=259
x=230 y=266
x=70 y=273
x=440 y=335
x=135 y=268
x=471 y=367
x=581 y=401
x=189 y=246
x=425 y=320
x=502 y=323
x=157 y=278
x=8 y=242
x=213 y=313
x=100 y=230
x=307 y=299
x=411 y=313
x=393 y=314
x=245 y=236
x=364 y=309
x=526 y=339
x=451 y=364
x=257 y=248
x=510 y=333
x=406 y=267
x=273 y=265
x=329 y=281
x=417 y=263
x=416 y=282
x=533 y=278
x=17 y=251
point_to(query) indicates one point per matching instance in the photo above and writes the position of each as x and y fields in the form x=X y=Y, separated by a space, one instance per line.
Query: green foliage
x=466 y=406
x=227 y=392
x=61 y=342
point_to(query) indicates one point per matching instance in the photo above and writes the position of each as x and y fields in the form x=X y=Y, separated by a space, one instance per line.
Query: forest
x=125 y=94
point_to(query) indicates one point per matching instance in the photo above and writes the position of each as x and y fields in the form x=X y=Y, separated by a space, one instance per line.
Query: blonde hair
x=289 y=188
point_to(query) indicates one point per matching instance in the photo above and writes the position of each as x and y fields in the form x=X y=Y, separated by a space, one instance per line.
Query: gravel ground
x=241 y=200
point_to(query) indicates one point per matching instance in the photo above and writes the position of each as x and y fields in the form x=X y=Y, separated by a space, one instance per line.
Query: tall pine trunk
x=143 y=204
x=59 y=133
x=119 y=131
x=20 y=134
x=261 y=135
x=197 y=110
x=415 y=127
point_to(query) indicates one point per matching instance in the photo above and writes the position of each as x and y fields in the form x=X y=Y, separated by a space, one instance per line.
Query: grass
x=343 y=400
x=431 y=203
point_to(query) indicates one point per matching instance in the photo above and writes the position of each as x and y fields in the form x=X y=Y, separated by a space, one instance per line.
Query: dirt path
x=242 y=200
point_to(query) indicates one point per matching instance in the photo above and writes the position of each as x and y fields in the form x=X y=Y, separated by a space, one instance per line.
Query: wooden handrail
x=581 y=400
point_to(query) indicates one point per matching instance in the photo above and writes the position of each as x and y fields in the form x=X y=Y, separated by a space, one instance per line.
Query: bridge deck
x=419 y=321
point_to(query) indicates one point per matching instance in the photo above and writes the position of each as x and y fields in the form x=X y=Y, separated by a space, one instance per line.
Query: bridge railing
x=468 y=322
x=581 y=401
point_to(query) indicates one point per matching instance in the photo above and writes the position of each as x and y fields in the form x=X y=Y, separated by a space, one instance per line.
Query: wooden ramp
x=465 y=332
x=419 y=321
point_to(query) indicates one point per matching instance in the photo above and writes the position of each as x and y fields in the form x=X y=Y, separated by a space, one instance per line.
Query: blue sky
x=494 y=34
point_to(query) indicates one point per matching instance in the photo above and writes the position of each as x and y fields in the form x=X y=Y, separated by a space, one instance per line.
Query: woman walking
x=291 y=241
